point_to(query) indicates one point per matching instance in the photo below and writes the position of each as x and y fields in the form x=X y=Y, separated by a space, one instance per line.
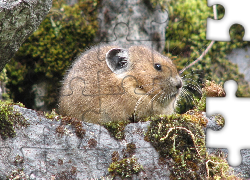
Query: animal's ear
x=117 y=60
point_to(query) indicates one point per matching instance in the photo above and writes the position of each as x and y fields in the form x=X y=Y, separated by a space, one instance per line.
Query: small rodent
x=108 y=83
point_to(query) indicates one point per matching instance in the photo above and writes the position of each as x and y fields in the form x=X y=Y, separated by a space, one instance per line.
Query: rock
x=52 y=149
x=241 y=57
x=132 y=22
x=44 y=153
x=18 y=20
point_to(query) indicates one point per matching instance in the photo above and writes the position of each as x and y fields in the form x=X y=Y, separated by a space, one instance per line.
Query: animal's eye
x=158 y=67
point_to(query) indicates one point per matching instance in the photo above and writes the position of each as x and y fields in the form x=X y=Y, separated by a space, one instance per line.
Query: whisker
x=139 y=102
x=153 y=98
x=141 y=99
x=194 y=85
x=187 y=96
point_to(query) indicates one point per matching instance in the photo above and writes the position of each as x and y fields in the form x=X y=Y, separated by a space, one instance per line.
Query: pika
x=109 y=83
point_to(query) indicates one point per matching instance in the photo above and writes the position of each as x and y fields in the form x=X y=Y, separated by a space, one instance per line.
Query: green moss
x=130 y=150
x=181 y=141
x=125 y=168
x=116 y=129
x=48 y=52
x=10 y=119
x=3 y=76
x=52 y=115
x=3 y=80
x=152 y=4
x=210 y=89
x=185 y=42
x=218 y=167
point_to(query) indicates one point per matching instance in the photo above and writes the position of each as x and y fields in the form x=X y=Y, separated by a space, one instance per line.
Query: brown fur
x=94 y=93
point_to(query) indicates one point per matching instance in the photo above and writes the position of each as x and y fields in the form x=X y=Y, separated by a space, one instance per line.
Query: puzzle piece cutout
x=236 y=12
x=235 y=133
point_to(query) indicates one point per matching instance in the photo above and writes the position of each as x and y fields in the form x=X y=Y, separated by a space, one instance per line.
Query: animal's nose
x=179 y=84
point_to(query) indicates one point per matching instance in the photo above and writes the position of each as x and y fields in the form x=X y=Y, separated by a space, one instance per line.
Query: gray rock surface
x=18 y=20
x=132 y=22
x=45 y=154
x=241 y=57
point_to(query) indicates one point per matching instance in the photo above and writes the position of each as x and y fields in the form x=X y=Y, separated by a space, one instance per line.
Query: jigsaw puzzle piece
x=236 y=12
x=107 y=14
x=235 y=133
x=153 y=22
x=35 y=168
x=140 y=17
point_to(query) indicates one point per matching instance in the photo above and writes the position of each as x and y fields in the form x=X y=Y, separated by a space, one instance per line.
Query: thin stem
x=207 y=49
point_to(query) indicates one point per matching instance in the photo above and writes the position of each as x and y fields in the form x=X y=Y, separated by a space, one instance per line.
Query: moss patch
x=116 y=129
x=127 y=166
x=64 y=33
x=181 y=141
x=218 y=167
x=10 y=119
